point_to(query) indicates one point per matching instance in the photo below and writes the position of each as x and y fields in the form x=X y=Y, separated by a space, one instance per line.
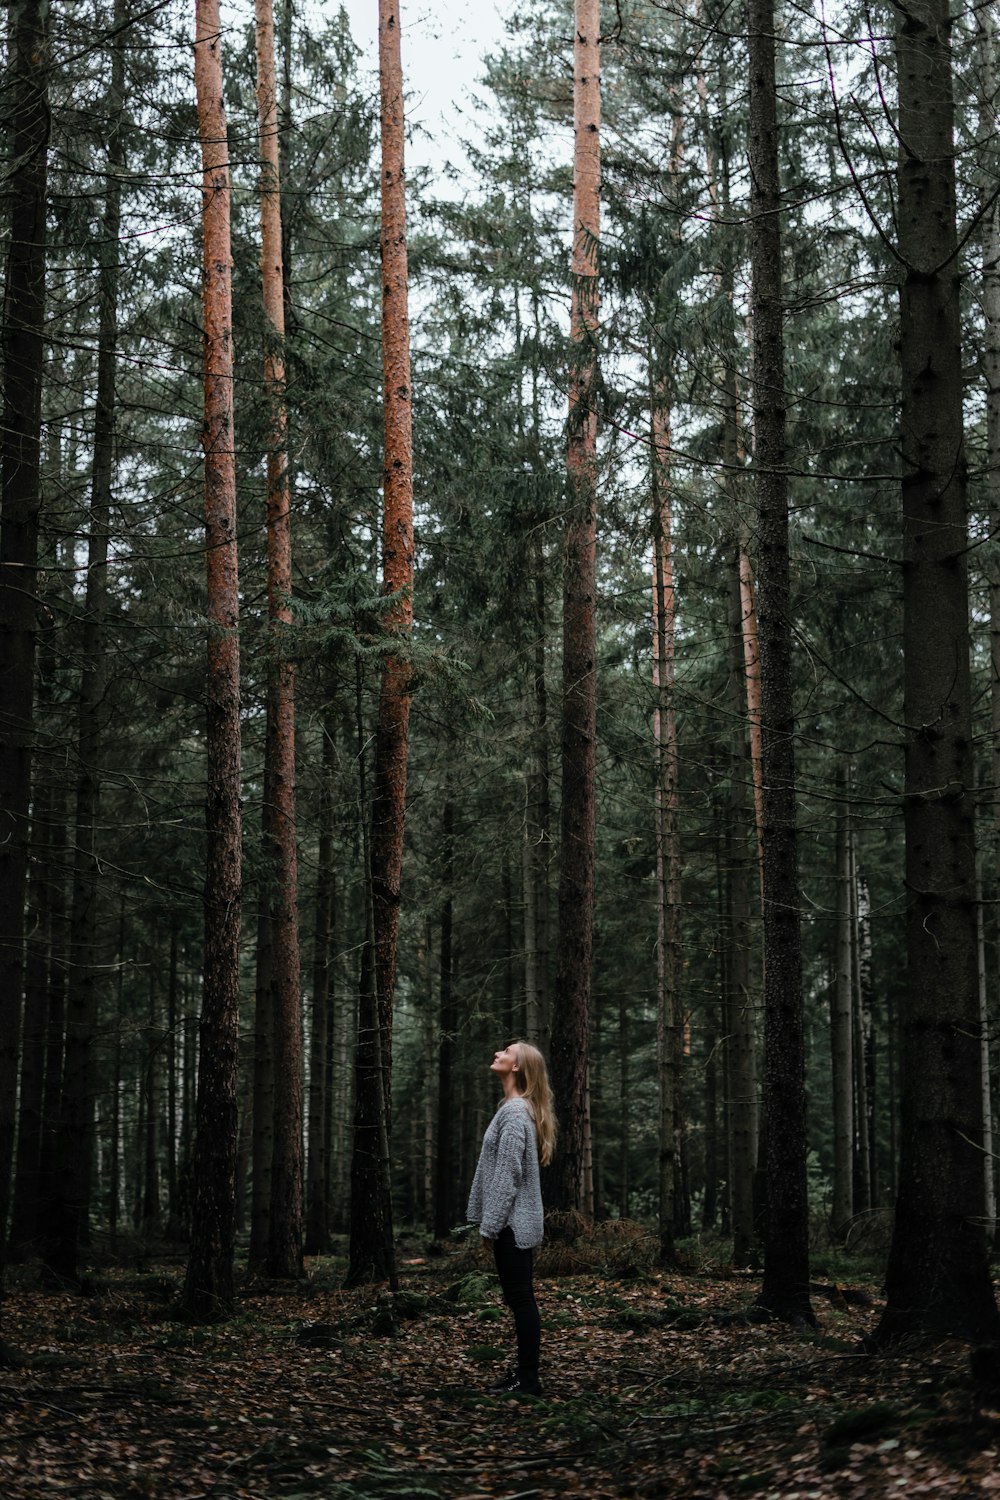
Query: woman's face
x=505 y=1062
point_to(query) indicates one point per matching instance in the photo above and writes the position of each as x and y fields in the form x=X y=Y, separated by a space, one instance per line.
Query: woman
x=506 y=1196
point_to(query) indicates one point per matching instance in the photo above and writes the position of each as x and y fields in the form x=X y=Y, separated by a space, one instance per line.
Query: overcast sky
x=443 y=42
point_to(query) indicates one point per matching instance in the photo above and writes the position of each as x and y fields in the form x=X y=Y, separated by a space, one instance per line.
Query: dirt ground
x=654 y=1385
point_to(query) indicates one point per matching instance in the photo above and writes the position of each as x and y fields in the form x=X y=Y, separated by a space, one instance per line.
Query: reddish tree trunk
x=285 y=1228
x=571 y=1011
x=209 y=1291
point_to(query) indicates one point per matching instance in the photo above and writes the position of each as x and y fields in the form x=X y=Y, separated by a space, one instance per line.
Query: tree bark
x=209 y=1288
x=666 y=822
x=30 y=1190
x=740 y=1049
x=285 y=1227
x=571 y=1012
x=69 y=1207
x=862 y=1042
x=372 y=1249
x=785 y=1290
x=320 y=1041
x=938 y=1278
x=990 y=359
x=445 y=1207
x=869 y=1032
x=841 y=1026
x=371 y=1256
x=21 y=352
x=149 y=1222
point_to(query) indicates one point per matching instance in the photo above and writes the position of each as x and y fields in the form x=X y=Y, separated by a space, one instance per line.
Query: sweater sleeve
x=508 y=1171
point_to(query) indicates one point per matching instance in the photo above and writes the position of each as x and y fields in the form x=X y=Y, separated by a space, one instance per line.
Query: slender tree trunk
x=69 y=1207
x=29 y=1193
x=862 y=1045
x=786 y=1253
x=445 y=1166
x=150 y=1221
x=372 y=1249
x=938 y=1278
x=625 y=1094
x=21 y=353
x=989 y=296
x=740 y=1024
x=318 y=1200
x=171 y=1050
x=285 y=1229
x=537 y=831
x=55 y=1038
x=869 y=1034
x=841 y=1026
x=989 y=1183
x=209 y=1288
x=371 y=1256
x=741 y=1054
x=571 y=1016
x=751 y=667
x=115 y=1146
x=666 y=820
x=262 y=1121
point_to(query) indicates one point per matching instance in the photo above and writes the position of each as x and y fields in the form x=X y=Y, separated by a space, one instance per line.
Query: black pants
x=514 y=1270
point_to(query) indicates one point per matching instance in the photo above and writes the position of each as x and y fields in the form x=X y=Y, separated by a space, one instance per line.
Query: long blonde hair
x=533 y=1086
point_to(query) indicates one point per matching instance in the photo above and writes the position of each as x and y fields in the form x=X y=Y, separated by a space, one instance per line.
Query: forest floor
x=654 y=1385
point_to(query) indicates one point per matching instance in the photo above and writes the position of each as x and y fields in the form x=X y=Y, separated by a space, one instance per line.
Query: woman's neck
x=510 y=1089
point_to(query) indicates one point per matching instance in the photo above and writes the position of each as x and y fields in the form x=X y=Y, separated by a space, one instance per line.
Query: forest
x=555 y=597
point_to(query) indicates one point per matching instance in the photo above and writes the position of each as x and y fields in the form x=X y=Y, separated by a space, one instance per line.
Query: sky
x=443 y=42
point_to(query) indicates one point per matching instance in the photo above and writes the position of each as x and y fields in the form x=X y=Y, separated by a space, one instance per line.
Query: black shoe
x=514 y=1385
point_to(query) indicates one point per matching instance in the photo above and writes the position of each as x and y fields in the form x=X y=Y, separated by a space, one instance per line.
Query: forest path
x=646 y=1394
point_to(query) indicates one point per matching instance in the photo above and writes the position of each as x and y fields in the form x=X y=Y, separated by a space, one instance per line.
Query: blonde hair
x=533 y=1086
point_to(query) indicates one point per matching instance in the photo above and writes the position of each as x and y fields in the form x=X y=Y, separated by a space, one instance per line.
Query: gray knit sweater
x=506 y=1188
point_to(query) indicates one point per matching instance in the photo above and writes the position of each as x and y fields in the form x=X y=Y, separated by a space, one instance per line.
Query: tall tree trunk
x=537 y=833
x=751 y=667
x=989 y=1179
x=938 y=1277
x=740 y=1050
x=21 y=354
x=445 y=1165
x=841 y=1025
x=990 y=357
x=285 y=1229
x=29 y=1192
x=869 y=1032
x=150 y=1221
x=666 y=818
x=69 y=1207
x=785 y=1290
x=571 y=1013
x=862 y=1045
x=115 y=1144
x=173 y=980
x=371 y=1256
x=318 y=1199
x=372 y=1249
x=209 y=1288
x=625 y=1096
